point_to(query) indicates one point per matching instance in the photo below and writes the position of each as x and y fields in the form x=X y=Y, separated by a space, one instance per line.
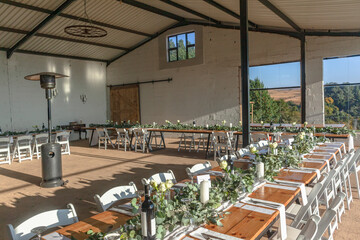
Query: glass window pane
x=191 y=52
x=181 y=47
x=191 y=38
x=277 y=106
x=172 y=55
x=277 y=75
x=172 y=42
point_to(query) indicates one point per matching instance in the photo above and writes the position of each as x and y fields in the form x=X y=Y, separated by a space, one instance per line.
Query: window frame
x=177 y=46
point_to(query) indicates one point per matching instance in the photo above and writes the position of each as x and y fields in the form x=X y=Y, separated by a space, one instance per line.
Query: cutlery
x=209 y=237
x=265 y=204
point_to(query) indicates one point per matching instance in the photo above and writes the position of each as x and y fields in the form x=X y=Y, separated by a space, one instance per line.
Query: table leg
x=148 y=141
x=91 y=138
x=237 y=142
x=207 y=147
x=163 y=139
x=131 y=140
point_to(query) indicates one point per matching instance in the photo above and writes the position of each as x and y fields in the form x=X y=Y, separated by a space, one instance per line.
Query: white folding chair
x=198 y=168
x=156 y=137
x=263 y=143
x=354 y=168
x=301 y=213
x=221 y=141
x=328 y=223
x=101 y=138
x=114 y=195
x=345 y=178
x=123 y=138
x=5 y=154
x=202 y=139
x=22 y=148
x=242 y=152
x=62 y=138
x=49 y=219
x=256 y=137
x=308 y=232
x=183 y=141
x=328 y=188
x=39 y=140
x=141 y=139
x=160 y=177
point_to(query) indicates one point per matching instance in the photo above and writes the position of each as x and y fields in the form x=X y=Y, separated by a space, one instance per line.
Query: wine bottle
x=148 y=225
x=230 y=163
x=43 y=126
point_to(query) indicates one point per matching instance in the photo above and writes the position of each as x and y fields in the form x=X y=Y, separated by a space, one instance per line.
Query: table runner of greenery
x=173 y=212
x=223 y=127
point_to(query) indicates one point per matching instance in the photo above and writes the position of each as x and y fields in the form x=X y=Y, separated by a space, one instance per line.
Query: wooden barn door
x=125 y=103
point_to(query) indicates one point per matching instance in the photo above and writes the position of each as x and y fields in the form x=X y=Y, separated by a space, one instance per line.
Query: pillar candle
x=260 y=170
x=230 y=125
x=204 y=191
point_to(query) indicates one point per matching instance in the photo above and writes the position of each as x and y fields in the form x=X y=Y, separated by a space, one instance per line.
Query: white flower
x=303 y=133
x=153 y=184
x=294 y=123
x=167 y=121
x=289 y=147
x=253 y=150
x=169 y=184
x=240 y=123
x=301 y=137
x=262 y=122
x=223 y=164
x=162 y=187
x=129 y=121
x=273 y=145
x=274 y=127
x=305 y=123
x=224 y=122
x=178 y=121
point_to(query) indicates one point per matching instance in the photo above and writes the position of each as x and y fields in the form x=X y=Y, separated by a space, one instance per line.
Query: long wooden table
x=240 y=223
x=209 y=132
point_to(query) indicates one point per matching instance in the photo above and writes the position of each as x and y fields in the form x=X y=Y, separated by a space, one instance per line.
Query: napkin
x=55 y=236
x=281 y=187
x=197 y=234
x=300 y=185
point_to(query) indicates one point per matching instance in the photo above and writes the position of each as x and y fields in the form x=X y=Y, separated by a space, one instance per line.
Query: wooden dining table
x=241 y=222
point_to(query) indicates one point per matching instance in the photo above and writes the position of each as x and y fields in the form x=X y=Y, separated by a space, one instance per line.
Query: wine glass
x=38 y=231
x=187 y=202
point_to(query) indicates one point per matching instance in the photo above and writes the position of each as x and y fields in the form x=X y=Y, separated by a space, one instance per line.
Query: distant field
x=289 y=95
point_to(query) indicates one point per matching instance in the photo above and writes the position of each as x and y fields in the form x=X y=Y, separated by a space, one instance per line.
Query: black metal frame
x=177 y=46
x=303 y=79
x=38 y=27
x=138 y=83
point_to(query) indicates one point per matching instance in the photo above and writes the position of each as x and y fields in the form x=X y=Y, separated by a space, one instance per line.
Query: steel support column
x=303 y=79
x=245 y=92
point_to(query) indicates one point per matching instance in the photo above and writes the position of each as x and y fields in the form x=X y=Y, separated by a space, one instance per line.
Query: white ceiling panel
x=7 y=39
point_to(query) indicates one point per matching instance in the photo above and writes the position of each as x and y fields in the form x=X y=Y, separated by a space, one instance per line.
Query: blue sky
x=337 y=70
x=277 y=75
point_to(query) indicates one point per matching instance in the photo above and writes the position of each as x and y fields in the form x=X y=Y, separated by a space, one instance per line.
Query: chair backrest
x=121 y=130
x=259 y=136
x=310 y=229
x=50 y=219
x=198 y=168
x=100 y=132
x=263 y=143
x=254 y=145
x=23 y=140
x=4 y=142
x=221 y=137
x=139 y=131
x=324 y=223
x=160 y=177
x=289 y=141
x=242 y=151
x=306 y=210
x=115 y=194
x=41 y=135
x=225 y=157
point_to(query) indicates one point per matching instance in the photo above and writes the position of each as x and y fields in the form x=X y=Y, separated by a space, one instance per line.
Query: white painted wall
x=209 y=92
x=23 y=103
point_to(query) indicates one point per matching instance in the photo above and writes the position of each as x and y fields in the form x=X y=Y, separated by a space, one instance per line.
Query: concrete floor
x=91 y=170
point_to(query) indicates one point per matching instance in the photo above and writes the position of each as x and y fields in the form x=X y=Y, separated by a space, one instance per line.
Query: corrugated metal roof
x=169 y=8
x=120 y=14
x=20 y=18
x=40 y=44
x=51 y=5
x=208 y=10
x=322 y=14
x=8 y=39
x=114 y=37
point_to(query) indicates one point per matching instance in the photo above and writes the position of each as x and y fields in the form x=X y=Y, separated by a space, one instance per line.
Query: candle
x=207 y=125
x=204 y=191
x=260 y=170
x=230 y=125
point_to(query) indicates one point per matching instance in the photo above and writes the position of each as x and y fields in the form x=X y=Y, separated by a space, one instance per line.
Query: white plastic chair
x=328 y=223
x=39 y=140
x=183 y=141
x=22 y=149
x=155 y=137
x=354 y=168
x=160 y=177
x=123 y=138
x=5 y=154
x=263 y=143
x=221 y=141
x=62 y=138
x=104 y=138
x=242 y=152
x=198 y=168
x=308 y=232
x=49 y=219
x=141 y=139
x=114 y=195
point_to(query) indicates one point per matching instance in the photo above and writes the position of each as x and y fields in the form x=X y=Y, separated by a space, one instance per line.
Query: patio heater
x=50 y=152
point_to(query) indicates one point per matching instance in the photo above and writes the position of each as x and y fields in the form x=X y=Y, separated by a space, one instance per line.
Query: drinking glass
x=38 y=231
x=187 y=202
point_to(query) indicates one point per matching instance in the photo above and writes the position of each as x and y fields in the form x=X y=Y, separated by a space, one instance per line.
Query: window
x=342 y=90
x=275 y=93
x=181 y=46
